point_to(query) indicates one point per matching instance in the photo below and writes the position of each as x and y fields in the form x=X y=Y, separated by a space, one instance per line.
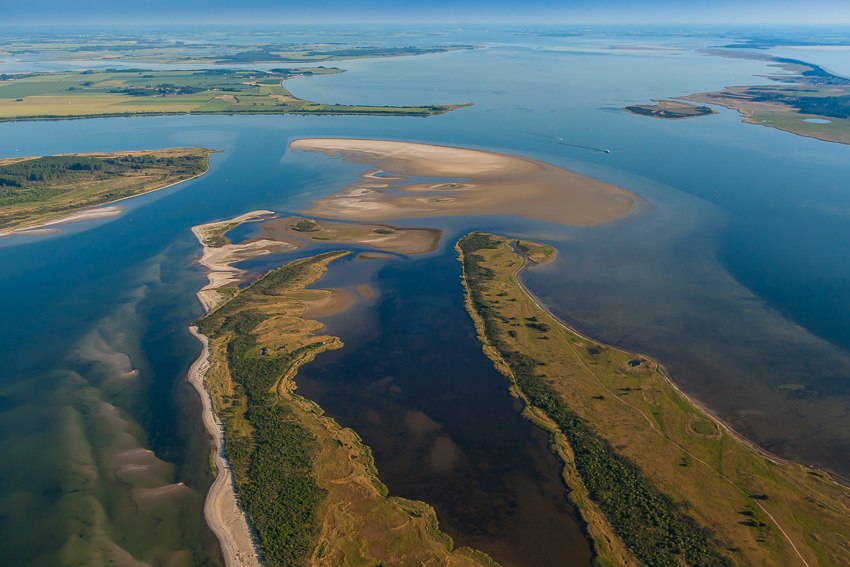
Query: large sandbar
x=468 y=182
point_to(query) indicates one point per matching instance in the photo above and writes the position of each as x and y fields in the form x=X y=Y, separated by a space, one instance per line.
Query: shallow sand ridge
x=471 y=182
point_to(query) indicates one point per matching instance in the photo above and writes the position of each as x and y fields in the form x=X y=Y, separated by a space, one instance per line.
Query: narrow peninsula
x=307 y=486
x=656 y=478
x=806 y=100
x=41 y=191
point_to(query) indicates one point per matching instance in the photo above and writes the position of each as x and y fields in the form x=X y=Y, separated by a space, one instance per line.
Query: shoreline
x=92 y=213
x=220 y=270
x=662 y=371
x=222 y=513
x=397 y=111
x=772 y=457
x=730 y=484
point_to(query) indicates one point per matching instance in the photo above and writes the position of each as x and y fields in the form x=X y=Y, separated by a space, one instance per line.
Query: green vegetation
x=290 y=54
x=195 y=47
x=657 y=530
x=670 y=110
x=811 y=92
x=118 y=92
x=535 y=252
x=309 y=486
x=37 y=190
x=270 y=453
x=656 y=479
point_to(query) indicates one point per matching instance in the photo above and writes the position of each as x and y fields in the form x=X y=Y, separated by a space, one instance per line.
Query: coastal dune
x=466 y=182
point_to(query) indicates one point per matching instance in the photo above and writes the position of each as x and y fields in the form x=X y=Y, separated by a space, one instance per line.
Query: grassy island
x=309 y=486
x=125 y=92
x=670 y=110
x=657 y=479
x=38 y=190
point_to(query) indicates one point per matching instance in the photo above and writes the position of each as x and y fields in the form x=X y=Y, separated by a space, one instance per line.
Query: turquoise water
x=732 y=272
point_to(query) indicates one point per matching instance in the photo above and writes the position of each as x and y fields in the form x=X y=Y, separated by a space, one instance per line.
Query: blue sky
x=412 y=11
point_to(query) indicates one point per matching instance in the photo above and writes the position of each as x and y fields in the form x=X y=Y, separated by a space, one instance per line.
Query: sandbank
x=469 y=182
x=298 y=230
x=222 y=512
x=333 y=303
x=219 y=260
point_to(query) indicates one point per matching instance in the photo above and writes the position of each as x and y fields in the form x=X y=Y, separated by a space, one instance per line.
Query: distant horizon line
x=135 y=24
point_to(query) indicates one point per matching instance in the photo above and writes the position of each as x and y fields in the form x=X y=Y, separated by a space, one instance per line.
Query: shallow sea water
x=732 y=272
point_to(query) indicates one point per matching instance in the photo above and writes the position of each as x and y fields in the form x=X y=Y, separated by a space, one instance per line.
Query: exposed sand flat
x=479 y=183
x=222 y=512
x=297 y=230
x=332 y=303
x=219 y=260
x=87 y=214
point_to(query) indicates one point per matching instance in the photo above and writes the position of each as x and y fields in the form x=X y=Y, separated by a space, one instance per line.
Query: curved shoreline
x=699 y=406
x=222 y=512
x=793 y=526
x=663 y=372
x=92 y=213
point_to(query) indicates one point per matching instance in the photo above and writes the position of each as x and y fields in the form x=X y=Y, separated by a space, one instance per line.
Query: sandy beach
x=100 y=212
x=87 y=214
x=468 y=182
x=219 y=260
x=222 y=512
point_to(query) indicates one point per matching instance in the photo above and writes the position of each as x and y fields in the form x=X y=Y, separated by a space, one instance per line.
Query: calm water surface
x=732 y=272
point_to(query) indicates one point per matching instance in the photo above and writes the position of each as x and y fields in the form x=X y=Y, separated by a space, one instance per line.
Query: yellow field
x=88 y=105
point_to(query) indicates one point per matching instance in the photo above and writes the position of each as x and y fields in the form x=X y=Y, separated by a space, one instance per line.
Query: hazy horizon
x=757 y=12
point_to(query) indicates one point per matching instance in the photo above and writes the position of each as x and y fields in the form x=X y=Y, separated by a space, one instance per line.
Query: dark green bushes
x=272 y=463
x=657 y=530
x=39 y=179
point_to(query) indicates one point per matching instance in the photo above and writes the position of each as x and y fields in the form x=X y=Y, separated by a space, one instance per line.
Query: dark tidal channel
x=440 y=421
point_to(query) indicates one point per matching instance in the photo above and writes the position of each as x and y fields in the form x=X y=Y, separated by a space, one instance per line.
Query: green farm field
x=137 y=92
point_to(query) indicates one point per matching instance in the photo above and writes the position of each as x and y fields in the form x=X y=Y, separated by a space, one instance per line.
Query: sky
x=424 y=11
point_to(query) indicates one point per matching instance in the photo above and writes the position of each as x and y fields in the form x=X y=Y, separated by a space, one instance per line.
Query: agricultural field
x=198 y=48
x=119 y=92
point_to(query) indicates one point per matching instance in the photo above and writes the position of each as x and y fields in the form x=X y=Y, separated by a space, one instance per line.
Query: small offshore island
x=656 y=479
x=41 y=191
x=670 y=110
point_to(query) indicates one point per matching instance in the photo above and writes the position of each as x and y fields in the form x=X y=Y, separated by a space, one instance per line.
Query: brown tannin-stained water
x=440 y=421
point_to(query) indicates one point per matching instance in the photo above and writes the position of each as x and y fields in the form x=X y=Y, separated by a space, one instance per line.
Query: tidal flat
x=678 y=274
